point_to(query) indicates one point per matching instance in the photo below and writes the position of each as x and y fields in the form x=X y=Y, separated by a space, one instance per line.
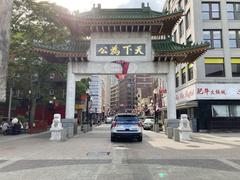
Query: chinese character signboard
x=208 y=91
x=120 y=50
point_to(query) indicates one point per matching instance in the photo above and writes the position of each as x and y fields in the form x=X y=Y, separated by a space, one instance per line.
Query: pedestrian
x=5 y=127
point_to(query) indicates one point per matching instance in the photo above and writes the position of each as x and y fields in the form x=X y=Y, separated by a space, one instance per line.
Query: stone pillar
x=71 y=92
x=171 y=92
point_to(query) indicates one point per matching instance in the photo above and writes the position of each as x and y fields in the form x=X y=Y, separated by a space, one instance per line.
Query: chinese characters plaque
x=120 y=50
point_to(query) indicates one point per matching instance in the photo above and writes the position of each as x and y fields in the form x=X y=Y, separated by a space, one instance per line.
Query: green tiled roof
x=79 y=47
x=169 y=46
x=130 y=13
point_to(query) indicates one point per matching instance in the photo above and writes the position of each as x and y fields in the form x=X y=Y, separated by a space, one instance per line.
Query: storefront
x=213 y=106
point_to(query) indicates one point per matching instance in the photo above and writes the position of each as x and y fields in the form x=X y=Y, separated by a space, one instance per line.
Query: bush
x=22 y=119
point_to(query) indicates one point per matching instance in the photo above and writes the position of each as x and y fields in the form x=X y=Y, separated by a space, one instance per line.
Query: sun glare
x=86 y=5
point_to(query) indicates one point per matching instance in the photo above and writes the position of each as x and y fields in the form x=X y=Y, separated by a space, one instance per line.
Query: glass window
x=190 y=72
x=210 y=10
x=214 y=37
x=180 y=4
x=51 y=92
x=235 y=110
x=181 y=30
x=233 y=10
x=220 y=111
x=52 y=75
x=189 y=39
x=214 y=67
x=188 y=19
x=183 y=72
x=235 y=67
x=177 y=79
x=175 y=36
x=214 y=70
x=234 y=38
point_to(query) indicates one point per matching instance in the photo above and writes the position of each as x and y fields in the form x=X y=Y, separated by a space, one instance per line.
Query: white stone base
x=58 y=135
x=185 y=135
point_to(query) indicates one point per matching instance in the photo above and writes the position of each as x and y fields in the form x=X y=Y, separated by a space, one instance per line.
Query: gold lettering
x=114 y=50
x=127 y=49
x=103 y=50
x=138 y=50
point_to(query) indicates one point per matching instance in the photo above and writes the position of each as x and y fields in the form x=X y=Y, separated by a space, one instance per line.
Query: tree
x=34 y=22
x=82 y=86
x=5 y=16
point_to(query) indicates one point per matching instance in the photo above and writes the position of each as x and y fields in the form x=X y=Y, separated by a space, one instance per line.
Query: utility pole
x=10 y=105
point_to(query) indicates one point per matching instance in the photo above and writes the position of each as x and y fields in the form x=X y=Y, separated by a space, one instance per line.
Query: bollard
x=176 y=135
x=170 y=132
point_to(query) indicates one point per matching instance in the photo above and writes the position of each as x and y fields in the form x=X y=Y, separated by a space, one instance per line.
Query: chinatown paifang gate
x=120 y=42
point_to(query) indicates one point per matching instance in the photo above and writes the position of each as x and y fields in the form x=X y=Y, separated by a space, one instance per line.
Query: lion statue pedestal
x=57 y=131
x=184 y=128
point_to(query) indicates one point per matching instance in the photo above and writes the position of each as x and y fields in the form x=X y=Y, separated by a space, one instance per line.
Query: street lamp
x=87 y=111
x=29 y=109
x=155 y=110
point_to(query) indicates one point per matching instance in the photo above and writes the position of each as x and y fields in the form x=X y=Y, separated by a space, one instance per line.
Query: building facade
x=96 y=88
x=114 y=99
x=209 y=89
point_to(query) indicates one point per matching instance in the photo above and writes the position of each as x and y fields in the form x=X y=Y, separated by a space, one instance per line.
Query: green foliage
x=33 y=22
x=22 y=119
x=82 y=86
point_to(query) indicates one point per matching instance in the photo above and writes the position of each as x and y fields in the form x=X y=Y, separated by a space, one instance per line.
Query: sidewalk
x=9 y=138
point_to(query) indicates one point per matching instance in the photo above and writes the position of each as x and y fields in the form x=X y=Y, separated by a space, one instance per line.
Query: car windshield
x=126 y=119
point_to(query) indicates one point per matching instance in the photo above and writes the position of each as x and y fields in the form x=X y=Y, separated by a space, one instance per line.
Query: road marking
x=9 y=162
x=230 y=163
x=119 y=153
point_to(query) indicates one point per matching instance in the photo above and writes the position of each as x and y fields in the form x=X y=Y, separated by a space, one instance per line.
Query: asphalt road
x=91 y=156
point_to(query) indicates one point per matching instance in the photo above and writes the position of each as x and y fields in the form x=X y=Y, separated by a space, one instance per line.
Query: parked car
x=126 y=126
x=148 y=123
x=109 y=120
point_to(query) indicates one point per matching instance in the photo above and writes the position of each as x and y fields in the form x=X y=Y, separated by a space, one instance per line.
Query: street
x=92 y=156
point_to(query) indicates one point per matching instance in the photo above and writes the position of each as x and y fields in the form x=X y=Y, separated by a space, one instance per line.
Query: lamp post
x=156 y=127
x=29 y=109
x=87 y=110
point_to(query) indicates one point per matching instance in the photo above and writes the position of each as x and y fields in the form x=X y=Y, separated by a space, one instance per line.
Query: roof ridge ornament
x=145 y=8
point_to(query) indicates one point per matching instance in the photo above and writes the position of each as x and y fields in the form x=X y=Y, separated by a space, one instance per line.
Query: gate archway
x=120 y=42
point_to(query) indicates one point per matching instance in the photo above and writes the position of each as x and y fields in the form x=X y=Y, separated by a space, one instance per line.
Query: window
x=233 y=10
x=177 y=79
x=214 y=67
x=181 y=30
x=220 y=111
x=51 y=92
x=210 y=10
x=52 y=75
x=189 y=39
x=190 y=72
x=214 y=37
x=188 y=19
x=234 y=38
x=64 y=93
x=234 y=110
x=235 y=67
x=175 y=36
x=180 y=4
x=183 y=72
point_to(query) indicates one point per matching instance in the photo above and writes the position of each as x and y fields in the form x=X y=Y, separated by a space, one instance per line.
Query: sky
x=86 y=5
